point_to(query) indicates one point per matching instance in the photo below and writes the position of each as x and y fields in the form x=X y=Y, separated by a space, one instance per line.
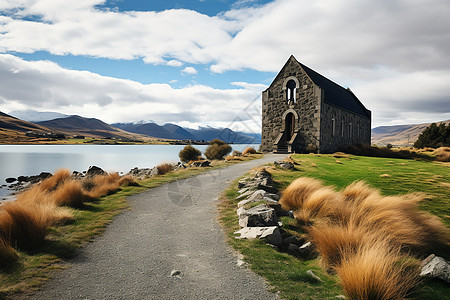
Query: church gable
x=301 y=109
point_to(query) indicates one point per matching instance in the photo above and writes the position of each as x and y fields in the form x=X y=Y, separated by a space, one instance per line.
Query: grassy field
x=286 y=273
x=34 y=267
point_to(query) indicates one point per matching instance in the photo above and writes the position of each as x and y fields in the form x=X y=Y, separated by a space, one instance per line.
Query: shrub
x=189 y=153
x=249 y=150
x=164 y=168
x=442 y=154
x=434 y=136
x=237 y=153
x=217 y=149
x=70 y=193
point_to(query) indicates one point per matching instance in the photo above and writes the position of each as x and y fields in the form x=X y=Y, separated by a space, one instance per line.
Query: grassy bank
x=33 y=266
x=286 y=273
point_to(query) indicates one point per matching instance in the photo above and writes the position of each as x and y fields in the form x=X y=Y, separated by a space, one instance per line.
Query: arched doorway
x=289 y=126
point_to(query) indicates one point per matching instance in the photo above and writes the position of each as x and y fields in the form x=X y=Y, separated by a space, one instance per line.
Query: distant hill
x=398 y=135
x=76 y=125
x=172 y=131
x=36 y=116
x=13 y=130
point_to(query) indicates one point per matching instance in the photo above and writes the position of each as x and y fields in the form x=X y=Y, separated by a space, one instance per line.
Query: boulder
x=294 y=240
x=258 y=216
x=154 y=172
x=179 y=166
x=201 y=163
x=270 y=234
x=286 y=165
x=245 y=194
x=311 y=273
x=306 y=249
x=435 y=266
x=257 y=196
x=22 y=179
x=292 y=249
x=94 y=171
x=10 y=180
x=267 y=187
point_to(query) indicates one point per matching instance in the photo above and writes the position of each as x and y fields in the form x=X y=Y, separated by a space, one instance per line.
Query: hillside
x=172 y=131
x=13 y=130
x=398 y=135
x=91 y=127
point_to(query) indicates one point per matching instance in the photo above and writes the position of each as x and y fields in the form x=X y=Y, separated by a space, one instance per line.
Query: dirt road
x=171 y=227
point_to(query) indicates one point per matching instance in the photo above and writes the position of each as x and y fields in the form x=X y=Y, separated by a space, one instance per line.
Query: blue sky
x=206 y=62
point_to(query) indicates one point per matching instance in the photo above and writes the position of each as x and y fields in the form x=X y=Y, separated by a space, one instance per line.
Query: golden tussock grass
x=365 y=236
x=231 y=158
x=70 y=193
x=377 y=271
x=293 y=196
x=25 y=225
x=7 y=253
x=52 y=183
x=385 y=175
x=164 y=168
x=442 y=154
x=249 y=150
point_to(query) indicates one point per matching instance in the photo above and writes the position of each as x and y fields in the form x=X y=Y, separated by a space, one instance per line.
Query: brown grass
x=7 y=253
x=70 y=193
x=442 y=154
x=231 y=158
x=52 y=183
x=365 y=236
x=164 y=168
x=377 y=271
x=24 y=225
x=249 y=150
x=294 y=195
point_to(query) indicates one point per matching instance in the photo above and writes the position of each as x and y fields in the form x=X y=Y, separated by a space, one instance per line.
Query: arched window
x=290 y=91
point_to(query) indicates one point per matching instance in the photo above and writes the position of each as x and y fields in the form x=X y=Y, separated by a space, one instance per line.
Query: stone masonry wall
x=307 y=106
x=349 y=128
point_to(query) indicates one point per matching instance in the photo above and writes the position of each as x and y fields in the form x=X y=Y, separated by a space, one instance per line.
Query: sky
x=206 y=62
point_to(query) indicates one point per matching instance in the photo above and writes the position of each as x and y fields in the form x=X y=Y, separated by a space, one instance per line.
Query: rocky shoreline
x=14 y=185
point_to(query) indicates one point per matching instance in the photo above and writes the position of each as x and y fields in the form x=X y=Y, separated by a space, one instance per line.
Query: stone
x=292 y=249
x=94 y=171
x=257 y=196
x=258 y=216
x=311 y=273
x=201 y=163
x=247 y=193
x=306 y=248
x=267 y=188
x=436 y=267
x=270 y=234
x=154 y=172
x=175 y=273
x=286 y=165
x=10 y=180
x=179 y=166
x=294 y=240
x=22 y=178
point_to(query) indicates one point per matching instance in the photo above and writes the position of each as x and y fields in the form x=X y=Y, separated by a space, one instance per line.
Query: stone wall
x=349 y=128
x=307 y=107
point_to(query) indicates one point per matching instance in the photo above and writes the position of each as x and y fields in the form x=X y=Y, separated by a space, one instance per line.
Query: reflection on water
x=17 y=160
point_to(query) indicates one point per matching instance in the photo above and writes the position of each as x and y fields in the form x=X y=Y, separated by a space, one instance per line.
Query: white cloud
x=189 y=71
x=384 y=50
x=45 y=86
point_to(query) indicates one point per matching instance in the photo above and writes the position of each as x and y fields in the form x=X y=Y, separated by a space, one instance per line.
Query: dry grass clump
x=365 y=236
x=7 y=253
x=24 y=223
x=249 y=150
x=231 y=158
x=377 y=271
x=294 y=195
x=164 y=168
x=442 y=154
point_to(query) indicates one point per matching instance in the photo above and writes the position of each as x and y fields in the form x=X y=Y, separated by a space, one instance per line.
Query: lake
x=27 y=160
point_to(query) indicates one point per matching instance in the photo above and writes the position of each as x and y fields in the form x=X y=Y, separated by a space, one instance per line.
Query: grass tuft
x=294 y=195
x=164 y=168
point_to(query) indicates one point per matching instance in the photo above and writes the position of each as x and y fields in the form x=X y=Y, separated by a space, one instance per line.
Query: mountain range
x=15 y=128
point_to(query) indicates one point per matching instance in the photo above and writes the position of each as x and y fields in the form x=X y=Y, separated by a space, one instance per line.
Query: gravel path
x=171 y=227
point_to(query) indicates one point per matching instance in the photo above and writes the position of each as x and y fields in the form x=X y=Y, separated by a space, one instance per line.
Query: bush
x=189 y=153
x=8 y=255
x=434 y=136
x=442 y=154
x=164 y=168
x=217 y=149
x=249 y=150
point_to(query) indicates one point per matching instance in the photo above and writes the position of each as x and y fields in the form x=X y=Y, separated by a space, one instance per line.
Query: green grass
x=286 y=273
x=35 y=268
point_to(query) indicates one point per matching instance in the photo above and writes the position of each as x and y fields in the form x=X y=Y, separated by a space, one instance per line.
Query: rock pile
x=258 y=211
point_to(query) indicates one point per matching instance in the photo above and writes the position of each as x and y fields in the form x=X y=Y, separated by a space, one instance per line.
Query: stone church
x=302 y=111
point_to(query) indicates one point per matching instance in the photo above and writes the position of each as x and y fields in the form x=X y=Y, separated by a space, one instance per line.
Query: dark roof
x=335 y=94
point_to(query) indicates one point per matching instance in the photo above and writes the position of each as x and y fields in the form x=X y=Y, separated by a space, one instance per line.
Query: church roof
x=335 y=94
